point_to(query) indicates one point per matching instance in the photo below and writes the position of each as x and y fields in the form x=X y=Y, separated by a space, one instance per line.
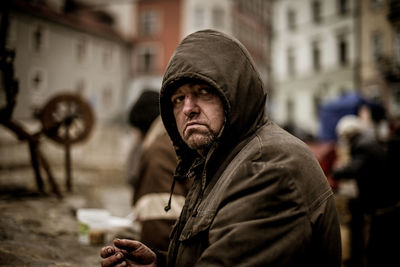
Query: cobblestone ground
x=42 y=229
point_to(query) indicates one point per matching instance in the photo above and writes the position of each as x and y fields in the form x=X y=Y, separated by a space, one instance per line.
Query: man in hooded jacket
x=259 y=196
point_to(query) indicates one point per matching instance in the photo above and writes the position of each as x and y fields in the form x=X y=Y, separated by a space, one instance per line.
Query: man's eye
x=177 y=99
x=204 y=91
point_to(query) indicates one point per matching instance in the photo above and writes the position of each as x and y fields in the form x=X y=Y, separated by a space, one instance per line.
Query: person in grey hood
x=259 y=196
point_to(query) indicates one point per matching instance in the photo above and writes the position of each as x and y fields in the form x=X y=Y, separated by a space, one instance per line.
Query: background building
x=308 y=52
x=392 y=70
x=252 y=25
x=379 y=53
x=156 y=35
x=71 y=49
x=110 y=51
x=162 y=24
x=375 y=45
x=66 y=46
x=313 y=58
x=211 y=14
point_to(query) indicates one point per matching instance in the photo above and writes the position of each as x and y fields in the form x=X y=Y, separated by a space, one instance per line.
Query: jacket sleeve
x=263 y=220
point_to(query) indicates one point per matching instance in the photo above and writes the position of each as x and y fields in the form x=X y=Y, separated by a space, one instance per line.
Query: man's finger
x=135 y=251
x=107 y=251
x=113 y=260
x=127 y=244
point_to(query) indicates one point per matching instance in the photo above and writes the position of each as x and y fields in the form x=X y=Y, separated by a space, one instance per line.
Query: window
x=38 y=37
x=291 y=19
x=37 y=78
x=199 y=17
x=81 y=48
x=218 y=17
x=342 y=46
x=377 y=46
x=316 y=11
x=291 y=62
x=316 y=100
x=107 y=97
x=148 y=23
x=316 y=56
x=342 y=6
x=147 y=57
x=107 y=57
x=37 y=81
x=81 y=87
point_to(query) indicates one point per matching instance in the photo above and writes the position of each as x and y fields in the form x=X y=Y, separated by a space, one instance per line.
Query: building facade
x=169 y=21
x=160 y=26
x=58 y=51
x=156 y=35
x=209 y=14
x=380 y=53
x=313 y=58
x=392 y=75
x=252 y=25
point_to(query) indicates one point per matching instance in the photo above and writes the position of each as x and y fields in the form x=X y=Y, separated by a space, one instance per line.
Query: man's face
x=199 y=115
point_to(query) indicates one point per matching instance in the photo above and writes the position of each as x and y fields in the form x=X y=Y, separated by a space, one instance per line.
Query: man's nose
x=190 y=106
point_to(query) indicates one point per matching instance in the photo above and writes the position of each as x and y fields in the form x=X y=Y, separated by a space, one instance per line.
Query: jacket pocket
x=195 y=225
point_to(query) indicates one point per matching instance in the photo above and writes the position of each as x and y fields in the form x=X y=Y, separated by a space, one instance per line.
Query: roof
x=82 y=19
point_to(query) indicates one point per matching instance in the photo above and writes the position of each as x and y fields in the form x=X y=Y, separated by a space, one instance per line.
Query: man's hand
x=128 y=253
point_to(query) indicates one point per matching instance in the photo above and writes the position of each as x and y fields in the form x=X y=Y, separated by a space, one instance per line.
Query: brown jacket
x=259 y=197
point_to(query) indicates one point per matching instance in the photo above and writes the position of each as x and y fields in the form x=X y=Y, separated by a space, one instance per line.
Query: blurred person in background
x=154 y=178
x=393 y=148
x=259 y=196
x=141 y=115
x=374 y=219
x=385 y=230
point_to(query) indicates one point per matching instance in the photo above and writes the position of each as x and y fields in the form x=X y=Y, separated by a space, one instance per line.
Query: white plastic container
x=93 y=225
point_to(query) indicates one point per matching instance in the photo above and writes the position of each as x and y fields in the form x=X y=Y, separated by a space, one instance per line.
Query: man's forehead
x=186 y=87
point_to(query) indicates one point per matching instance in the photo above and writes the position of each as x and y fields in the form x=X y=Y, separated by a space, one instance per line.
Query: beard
x=199 y=139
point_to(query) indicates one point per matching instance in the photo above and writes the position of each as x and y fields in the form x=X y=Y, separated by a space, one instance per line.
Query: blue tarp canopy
x=331 y=112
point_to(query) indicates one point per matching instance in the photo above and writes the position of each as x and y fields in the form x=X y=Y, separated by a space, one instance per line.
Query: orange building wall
x=168 y=35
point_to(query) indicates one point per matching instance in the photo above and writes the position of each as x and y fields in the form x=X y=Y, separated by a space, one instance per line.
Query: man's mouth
x=193 y=125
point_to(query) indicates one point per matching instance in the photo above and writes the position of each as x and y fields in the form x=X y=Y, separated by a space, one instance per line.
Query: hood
x=222 y=62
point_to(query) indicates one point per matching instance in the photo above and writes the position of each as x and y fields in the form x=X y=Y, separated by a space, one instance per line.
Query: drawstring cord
x=168 y=207
x=178 y=177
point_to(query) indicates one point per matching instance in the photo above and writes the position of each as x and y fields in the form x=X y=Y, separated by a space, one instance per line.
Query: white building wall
x=125 y=21
x=104 y=82
x=330 y=81
x=190 y=23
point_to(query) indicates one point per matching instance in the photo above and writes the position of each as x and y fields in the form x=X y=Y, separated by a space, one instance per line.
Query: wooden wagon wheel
x=67 y=119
